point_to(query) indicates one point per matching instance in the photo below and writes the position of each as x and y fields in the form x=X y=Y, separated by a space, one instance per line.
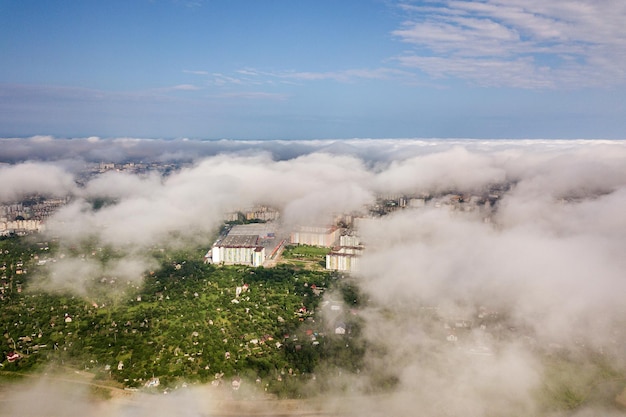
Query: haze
x=550 y=256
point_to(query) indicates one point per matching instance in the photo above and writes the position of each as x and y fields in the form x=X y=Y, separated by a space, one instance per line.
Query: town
x=264 y=309
x=250 y=237
x=253 y=235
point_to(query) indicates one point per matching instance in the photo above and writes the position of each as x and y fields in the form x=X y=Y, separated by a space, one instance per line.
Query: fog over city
x=548 y=254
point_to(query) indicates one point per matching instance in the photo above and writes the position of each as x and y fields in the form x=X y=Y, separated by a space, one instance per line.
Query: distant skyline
x=318 y=69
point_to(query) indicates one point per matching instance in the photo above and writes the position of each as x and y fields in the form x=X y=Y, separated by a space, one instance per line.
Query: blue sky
x=313 y=69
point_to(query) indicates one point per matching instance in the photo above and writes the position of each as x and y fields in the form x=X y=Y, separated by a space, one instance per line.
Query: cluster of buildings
x=453 y=201
x=140 y=168
x=29 y=215
x=132 y=167
x=243 y=244
x=258 y=244
x=253 y=238
x=258 y=213
x=20 y=227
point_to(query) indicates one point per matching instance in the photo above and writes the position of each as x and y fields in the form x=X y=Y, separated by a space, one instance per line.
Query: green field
x=188 y=322
x=305 y=256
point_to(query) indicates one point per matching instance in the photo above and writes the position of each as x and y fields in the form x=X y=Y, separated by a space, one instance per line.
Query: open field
x=305 y=257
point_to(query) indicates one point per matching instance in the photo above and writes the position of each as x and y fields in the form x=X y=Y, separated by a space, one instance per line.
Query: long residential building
x=315 y=236
x=246 y=244
x=240 y=249
x=20 y=226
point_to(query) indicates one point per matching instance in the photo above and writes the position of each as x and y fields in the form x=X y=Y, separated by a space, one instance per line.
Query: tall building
x=344 y=259
x=346 y=256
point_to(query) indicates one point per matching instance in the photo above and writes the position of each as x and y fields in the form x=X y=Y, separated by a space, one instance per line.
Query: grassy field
x=305 y=257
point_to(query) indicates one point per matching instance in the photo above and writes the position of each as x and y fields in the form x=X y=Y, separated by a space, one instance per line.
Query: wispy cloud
x=184 y=87
x=519 y=73
x=222 y=79
x=194 y=72
x=219 y=79
x=253 y=76
x=192 y=4
x=349 y=75
x=529 y=44
x=518 y=43
x=255 y=95
x=248 y=72
x=25 y=92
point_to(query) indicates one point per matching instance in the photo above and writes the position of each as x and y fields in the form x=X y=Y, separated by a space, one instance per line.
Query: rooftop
x=245 y=241
x=258 y=229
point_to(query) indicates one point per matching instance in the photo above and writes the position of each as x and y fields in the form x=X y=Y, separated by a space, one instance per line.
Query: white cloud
x=349 y=75
x=527 y=44
x=185 y=87
x=196 y=72
x=521 y=73
x=253 y=76
x=19 y=181
x=255 y=95
x=551 y=262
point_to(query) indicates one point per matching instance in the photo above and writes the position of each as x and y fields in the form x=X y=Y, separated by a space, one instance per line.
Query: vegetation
x=189 y=321
x=570 y=382
x=305 y=256
x=287 y=328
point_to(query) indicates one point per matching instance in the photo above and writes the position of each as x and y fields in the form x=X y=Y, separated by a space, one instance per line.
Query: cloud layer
x=546 y=255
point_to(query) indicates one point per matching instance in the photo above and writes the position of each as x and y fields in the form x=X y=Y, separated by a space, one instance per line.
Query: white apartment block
x=344 y=259
x=315 y=236
x=237 y=250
